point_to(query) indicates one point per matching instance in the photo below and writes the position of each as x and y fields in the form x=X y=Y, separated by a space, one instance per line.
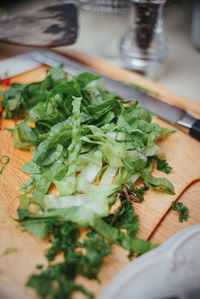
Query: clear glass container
x=143 y=48
x=102 y=23
x=106 y=6
x=111 y=20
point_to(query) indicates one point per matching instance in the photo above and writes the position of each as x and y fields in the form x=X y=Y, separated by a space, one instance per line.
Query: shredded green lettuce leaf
x=87 y=144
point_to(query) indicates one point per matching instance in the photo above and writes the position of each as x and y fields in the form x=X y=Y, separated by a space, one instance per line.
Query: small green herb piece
x=1 y=169
x=4 y=160
x=124 y=218
x=182 y=209
x=162 y=165
x=8 y=250
x=9 y=130
x=140 y=88
x=138 y=191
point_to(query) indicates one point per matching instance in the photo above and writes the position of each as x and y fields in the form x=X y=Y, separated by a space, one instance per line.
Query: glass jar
x=107 y=6
x=143 y=48
x=102 y=23
x=110 y=19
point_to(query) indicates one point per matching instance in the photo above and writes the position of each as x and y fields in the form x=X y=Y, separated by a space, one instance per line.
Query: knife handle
x=195 y=129
x=189 y=125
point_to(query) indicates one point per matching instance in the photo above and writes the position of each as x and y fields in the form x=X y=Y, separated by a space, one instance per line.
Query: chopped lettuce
x=89 y=171
x=85 y=216
x=160 y=184
x=87 y=144
x=97 y=202
x=67 y=185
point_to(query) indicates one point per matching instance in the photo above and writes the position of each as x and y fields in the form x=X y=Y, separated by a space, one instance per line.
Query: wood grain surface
x=157 y=221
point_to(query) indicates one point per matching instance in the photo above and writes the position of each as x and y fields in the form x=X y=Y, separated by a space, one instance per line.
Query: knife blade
x=124 y=91
x=172 y=114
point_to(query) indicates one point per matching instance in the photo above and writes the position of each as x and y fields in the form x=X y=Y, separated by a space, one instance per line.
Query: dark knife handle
x=195 y=129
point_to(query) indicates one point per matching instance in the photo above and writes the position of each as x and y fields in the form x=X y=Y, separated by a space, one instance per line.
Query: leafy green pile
x=87 y=144
x=66 y=240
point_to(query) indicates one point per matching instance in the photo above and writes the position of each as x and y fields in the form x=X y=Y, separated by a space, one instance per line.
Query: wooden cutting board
x=157 y=221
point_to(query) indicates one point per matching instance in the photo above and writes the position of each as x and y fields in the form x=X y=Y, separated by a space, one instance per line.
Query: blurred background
x=111 y=30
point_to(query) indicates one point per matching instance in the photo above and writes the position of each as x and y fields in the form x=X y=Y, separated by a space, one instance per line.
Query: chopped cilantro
x=138 y=191
x=58 y=280
x=182 y=209
x=124 y=218
x=162 y=165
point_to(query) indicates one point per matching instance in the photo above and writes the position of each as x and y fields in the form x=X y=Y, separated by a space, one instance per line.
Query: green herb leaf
x=1 y=169
x=138 y=191
x=182 y=209
x=8 y=250
x=162 y=165
x=124 y=218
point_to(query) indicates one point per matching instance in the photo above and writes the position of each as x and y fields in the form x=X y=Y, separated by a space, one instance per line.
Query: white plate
x=169 y=271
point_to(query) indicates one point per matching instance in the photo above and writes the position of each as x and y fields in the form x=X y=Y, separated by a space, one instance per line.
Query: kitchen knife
x=175 y=115
x=170 y=113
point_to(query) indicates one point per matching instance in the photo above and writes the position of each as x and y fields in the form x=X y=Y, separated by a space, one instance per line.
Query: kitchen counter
x=182 y=72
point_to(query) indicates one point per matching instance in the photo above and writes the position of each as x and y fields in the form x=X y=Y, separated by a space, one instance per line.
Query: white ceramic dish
x=169 y=271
